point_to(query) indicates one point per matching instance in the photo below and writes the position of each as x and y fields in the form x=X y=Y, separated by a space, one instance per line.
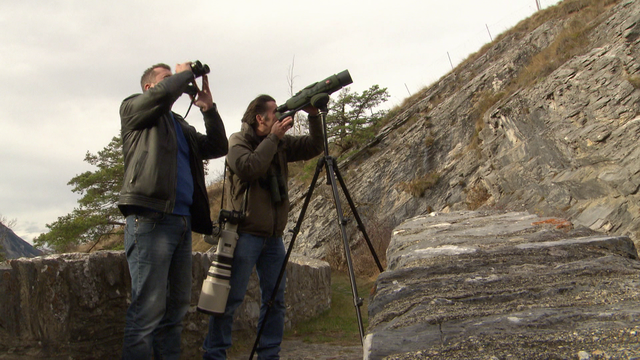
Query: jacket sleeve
x=308 y=146
x=249 y=164
x=214 y=144
x=143 y=110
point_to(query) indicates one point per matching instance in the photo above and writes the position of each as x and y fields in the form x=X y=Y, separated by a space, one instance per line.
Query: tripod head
x=320 y=101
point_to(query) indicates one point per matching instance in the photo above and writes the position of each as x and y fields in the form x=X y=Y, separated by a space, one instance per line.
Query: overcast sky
x=68 y=64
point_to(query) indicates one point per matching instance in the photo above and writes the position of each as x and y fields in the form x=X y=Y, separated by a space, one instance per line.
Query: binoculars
x=198 y=69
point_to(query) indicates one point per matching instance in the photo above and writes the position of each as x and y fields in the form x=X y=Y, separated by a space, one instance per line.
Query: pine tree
x=97 y=213
x=352 y=115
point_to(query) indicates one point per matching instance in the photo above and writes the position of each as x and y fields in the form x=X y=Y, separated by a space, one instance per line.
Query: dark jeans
x=158 y=248
x=267 y=255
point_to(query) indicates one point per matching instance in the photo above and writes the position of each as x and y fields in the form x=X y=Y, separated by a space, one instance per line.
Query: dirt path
x=299 y=350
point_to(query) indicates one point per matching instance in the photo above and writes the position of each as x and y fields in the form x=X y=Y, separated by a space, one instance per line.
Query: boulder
x=504 y=285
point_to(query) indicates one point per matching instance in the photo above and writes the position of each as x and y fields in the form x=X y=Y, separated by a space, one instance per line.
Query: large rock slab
x=489 y=285
x=72 y=306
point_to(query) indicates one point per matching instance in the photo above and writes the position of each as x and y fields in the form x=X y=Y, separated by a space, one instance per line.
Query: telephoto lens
x=215 y=288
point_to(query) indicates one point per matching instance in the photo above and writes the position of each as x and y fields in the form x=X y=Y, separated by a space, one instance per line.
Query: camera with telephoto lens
x=215 y=288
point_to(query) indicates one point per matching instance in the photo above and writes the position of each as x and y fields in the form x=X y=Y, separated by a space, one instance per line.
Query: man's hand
x=183 y=67
x=281 y=127
x=204 y=100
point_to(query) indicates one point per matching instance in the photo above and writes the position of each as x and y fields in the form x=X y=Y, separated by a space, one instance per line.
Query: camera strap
x=224 y=180
x=245 y=200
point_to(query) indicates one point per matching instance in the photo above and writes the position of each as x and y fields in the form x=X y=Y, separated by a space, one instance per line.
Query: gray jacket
x=150 y=151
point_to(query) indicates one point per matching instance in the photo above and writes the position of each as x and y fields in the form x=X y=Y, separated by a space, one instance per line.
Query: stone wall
x=73 y=305
x=494 y=285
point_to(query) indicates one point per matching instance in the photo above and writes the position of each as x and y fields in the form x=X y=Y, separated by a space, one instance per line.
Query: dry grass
x=214 y=191
x=634 y=80
x=429 y=140
x=364 y=264
x=418 y=186
x=485 y=100
x=379 y=233
x=477 y=196
x=113 y=241
x=582 y=17
x=561 y=11
x=303 y=171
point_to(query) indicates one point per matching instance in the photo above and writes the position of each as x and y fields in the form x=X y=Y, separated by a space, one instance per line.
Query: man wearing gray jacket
x=257 y=159
x=163 y=198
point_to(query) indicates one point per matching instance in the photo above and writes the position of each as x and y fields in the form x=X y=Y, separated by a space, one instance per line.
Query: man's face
x=270 y=117
x=161 y=74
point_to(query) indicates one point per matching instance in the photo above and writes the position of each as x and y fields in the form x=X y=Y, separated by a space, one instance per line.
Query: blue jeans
x=158 y=248
x=267 y=254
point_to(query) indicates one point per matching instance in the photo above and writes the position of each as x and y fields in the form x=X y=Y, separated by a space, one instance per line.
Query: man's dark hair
x=149 y=75
x=256 y=107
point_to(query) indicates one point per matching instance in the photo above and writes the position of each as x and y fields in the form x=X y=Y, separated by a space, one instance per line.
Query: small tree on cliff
x=352 y=115
x=97 y=213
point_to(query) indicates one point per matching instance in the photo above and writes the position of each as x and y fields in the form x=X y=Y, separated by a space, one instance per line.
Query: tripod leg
x=357 y=217
x=357 y=300
x=295 y=232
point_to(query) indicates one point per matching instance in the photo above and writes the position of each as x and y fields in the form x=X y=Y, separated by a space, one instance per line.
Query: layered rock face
x=565 y=145
x=73 y=305
x=476 y=285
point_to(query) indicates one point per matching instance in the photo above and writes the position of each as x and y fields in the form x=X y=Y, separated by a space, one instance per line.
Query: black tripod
x=320 y=101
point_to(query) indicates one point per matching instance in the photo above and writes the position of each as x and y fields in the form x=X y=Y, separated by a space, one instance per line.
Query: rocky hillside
x=545 y=119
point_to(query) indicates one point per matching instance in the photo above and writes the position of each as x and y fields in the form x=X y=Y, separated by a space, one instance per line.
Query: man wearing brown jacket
x=257 y=160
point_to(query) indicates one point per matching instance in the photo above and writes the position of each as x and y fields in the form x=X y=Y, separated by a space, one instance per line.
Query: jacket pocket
x=138 y=168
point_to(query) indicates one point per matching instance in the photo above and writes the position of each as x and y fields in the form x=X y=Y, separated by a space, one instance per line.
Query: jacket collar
x=250 y=134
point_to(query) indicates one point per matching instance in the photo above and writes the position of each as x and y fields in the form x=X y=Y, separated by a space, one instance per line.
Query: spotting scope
x=303 y=97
